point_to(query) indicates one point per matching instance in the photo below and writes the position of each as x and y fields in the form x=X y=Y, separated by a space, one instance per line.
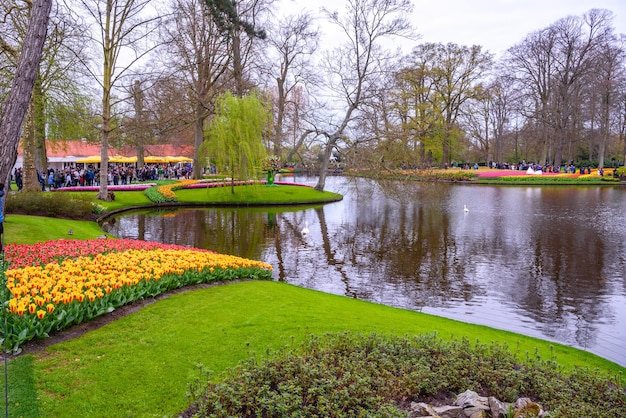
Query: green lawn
x=244 y=195
x=257 y=195
x=23 y=229
x=141 y=364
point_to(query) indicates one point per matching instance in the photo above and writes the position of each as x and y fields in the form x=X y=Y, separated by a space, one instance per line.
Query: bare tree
x=295 y=41
x=354 y=67
x=553 y=65
x=123 y=27
x=621 y=121
x=531 y=64
x=200 y=56
x=458 y=79
x=604 y=81
x=576 y=41
x=487 y=117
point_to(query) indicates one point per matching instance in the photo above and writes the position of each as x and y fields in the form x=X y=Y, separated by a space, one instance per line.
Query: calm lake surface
x=549 y=262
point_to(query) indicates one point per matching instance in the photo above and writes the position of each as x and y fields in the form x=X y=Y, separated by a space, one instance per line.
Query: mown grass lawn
x=256 y=194
x=25 y=229
x=140 y=365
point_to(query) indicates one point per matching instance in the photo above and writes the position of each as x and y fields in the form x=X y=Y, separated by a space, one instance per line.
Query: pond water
x=548 y=262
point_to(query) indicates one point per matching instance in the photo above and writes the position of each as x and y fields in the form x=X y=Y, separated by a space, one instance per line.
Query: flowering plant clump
x=97 y=208
x=271 y=163
x=203 y=185
x=155 y=195
x=55 y=284
x=520 y=174
x=165 y=193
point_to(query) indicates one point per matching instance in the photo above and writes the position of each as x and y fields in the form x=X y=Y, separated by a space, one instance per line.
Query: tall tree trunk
x=41 y=156
x=280 y=113
x=29 y=176
x=321 y=182
x=103 y=193
x=108 y=67
x=237 y=65
x=446 y=146
x=140 y=129
x=198 y=138
x=17 y=103
x=298 y=144
x=604 y=129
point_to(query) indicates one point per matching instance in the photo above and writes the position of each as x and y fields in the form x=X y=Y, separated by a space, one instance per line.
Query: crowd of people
x=548 y=168
x=73 y=176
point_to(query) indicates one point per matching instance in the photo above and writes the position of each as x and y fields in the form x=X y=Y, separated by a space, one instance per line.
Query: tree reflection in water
x=544 y=261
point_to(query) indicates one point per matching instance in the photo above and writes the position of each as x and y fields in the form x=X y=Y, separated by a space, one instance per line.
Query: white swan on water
x=305 y=230
x=465 y=209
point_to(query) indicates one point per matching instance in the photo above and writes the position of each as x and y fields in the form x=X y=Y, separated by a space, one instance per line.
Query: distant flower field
x=517 y=173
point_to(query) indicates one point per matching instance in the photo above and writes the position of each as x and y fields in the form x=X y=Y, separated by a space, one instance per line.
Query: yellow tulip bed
x=167 y=190
x=55 y=284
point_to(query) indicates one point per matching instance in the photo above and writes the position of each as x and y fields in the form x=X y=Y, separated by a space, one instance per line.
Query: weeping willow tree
x=235 y=134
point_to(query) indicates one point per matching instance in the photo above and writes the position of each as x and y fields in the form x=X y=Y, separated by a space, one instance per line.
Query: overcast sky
x=495 y=24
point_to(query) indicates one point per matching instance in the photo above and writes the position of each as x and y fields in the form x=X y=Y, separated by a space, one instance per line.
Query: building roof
x=80 y=149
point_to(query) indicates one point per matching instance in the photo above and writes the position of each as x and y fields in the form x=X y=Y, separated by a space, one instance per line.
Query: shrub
x=345 y=375
x=56 y=205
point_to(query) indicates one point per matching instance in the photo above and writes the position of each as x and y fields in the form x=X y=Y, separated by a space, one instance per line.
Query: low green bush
x=346 y=375
x=56 y=205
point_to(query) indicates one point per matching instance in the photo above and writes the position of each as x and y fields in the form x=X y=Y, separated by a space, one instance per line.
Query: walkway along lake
x=549 y=262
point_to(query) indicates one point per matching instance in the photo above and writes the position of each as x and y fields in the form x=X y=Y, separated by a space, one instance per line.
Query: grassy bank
x=26 y=229
x=51 y=204
x=141 y=364
x=254 y=194
x=484 y=175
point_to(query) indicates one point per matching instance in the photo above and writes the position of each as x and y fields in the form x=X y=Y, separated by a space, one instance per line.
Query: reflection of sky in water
x=546 y=262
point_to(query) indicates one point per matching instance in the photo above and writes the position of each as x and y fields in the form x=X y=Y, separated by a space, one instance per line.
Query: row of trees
x=558 y=95
x=134 y=72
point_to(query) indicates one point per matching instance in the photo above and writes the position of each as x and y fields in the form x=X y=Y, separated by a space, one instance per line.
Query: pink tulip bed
x=206 y=184
x=138 y=187
x=522 y=177
x=517 y=173
x=201 y=184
